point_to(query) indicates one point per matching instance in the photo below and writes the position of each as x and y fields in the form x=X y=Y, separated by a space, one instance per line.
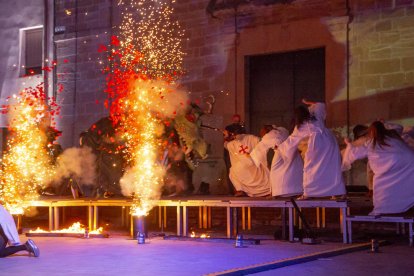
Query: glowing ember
x=26 y=162
x=76 y=228
x=202 y=236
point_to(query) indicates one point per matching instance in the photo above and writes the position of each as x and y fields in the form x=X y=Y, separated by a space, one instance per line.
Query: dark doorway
x=278 y=82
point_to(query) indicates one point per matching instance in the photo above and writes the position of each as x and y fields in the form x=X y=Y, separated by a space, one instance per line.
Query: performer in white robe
x=244 y=174
x=9 y=235
x=391 y=160
x=286 y=171
x=322 y=175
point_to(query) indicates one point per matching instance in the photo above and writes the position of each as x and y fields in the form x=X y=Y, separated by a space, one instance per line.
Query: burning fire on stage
x=76 y=228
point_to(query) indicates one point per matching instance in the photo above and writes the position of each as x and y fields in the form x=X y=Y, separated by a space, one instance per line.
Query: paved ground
x=396 y=259
x=121 y=256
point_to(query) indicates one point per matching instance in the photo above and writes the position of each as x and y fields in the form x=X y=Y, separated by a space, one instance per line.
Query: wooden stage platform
x=204 y=203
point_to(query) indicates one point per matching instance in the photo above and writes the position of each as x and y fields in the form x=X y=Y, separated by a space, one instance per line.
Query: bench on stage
x=204 y=203
x=384 y=219
x=231 y=204
x=56 y=203
x=342 y=205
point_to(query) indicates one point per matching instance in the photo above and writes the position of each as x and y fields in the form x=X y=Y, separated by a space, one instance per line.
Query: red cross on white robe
x=243 y=149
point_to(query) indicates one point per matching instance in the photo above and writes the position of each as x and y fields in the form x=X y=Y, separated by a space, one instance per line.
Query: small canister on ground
x=239 y=241
x=86 y=234
x=374 y=246
x=141 y=238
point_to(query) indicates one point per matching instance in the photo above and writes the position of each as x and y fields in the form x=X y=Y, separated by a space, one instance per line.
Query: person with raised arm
x=322 y=175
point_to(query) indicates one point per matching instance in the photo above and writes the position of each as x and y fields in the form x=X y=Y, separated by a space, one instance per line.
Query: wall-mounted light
x=60 y=29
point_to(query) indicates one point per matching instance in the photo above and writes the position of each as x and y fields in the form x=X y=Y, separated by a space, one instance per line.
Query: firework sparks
x=139 y=115
x=26 y=163
x=146 y=59
x=148 y=26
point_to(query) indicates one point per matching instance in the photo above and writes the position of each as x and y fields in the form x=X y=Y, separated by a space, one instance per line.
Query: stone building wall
x=381 y=68
x=382 y=61
x=88 y=24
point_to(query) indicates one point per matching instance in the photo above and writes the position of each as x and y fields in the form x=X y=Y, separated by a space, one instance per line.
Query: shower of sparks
x=148 y=26
x=146 y=59
x=26 y=162
x=139 y=108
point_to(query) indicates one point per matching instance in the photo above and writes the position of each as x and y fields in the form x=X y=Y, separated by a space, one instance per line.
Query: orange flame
x=76 y=228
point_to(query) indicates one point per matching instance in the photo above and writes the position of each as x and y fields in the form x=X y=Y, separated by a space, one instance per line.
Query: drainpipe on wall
x=236 y=41
x=348 y=118
x=74 y=114
x=49 y=49
x=54 y=53
x=46 y=44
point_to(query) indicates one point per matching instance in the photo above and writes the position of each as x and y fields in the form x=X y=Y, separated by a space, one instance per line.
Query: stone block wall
x=88 y=24
x=382 y=61
x=381 y=69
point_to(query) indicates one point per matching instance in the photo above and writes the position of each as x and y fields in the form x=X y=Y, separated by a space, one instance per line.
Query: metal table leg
x=229 y=215
x=95 y=217
x=51 y=218
x=291 y=221
x=90 y=217
x=56 y=218
x=179 y=222
x=343 y=225
x=185 y=221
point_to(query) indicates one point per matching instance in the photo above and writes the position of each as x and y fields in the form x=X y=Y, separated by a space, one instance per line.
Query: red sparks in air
x=35 y=96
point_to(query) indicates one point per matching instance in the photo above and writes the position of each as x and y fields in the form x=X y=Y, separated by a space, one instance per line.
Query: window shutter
x=34 y=50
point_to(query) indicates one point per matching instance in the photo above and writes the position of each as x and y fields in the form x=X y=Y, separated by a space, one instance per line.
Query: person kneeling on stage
x=247 y=178
x=391 y=160
x=9 y=235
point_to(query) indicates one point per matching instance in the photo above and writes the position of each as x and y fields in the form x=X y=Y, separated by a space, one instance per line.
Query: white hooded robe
x=9 y=226
x=393 y=168
x=322 y=175
x=286 y=171
x=244 y=174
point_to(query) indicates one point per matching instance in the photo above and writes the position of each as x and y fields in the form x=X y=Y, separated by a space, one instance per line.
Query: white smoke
x=167 y=99
x=79 y=163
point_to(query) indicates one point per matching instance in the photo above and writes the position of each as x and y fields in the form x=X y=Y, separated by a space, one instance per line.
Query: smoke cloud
x=79 y=163
x=167 y=99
